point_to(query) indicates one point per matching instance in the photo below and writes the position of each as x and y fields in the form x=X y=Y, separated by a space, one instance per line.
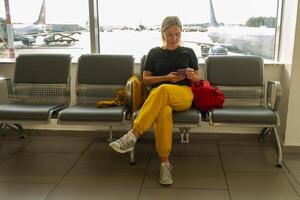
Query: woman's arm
x=149 y=79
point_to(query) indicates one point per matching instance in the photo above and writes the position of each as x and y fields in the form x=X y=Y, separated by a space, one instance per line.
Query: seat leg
x=132 y=158
x=184 y=135
x=110 y=138
x=263 y=134
x=2 y=129
x=16 y=127
x=20 y=130
x=279 y=149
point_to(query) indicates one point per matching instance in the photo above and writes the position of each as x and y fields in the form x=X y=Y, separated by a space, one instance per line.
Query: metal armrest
x=9 y=87
x=273 y=93
x=68 y=90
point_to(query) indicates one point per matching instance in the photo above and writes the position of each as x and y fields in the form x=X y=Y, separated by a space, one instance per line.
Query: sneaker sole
x=166 y=184
x=120 y=150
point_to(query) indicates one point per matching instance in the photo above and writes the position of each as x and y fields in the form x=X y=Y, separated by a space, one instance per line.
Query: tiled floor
x=82 y=166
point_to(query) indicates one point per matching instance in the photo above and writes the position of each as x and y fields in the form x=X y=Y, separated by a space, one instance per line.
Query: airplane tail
x=42 y=16
x=213 y=21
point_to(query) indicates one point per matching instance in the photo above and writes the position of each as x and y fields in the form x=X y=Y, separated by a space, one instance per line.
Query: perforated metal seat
x=98 y=78
x=40 y=87
x=248 y=102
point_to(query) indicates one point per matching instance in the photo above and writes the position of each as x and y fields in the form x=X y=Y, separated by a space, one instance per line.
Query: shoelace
x=167 y=171
x=124 y=141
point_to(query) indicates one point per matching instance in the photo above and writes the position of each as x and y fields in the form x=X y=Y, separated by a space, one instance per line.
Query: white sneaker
x=125 y=143
x=165 y=176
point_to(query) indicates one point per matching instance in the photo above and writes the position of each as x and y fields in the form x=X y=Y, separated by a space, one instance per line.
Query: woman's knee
x=163 y=88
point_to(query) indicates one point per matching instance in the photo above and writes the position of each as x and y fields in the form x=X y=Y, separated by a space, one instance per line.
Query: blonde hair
x=167 y=22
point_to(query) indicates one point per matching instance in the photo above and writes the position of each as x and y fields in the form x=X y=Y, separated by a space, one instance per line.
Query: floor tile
x=293 y=181
x=190 y=172
x=244 y=139
x=10 y=144
x=292 y=162
x=179 y=194
x=195 y=136
x=36 y=167
x=202 y=136
x=24 y=191
x=71 y=133
x=196 y=148
x=101 y=155
x=9 y=148
x=91 y=183
x=260 y=186
x=58 y=144
x=249 y=158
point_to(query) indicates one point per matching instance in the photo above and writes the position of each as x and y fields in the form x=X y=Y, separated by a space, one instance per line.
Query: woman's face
x=172 y=36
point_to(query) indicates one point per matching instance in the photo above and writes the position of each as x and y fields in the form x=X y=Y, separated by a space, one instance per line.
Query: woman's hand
x=192 y=75
x=174 y=77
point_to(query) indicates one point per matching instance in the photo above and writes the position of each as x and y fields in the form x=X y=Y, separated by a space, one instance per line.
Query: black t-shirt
x=161 y=62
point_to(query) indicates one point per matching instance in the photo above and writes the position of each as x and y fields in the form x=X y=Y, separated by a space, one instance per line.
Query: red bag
x=206 y=96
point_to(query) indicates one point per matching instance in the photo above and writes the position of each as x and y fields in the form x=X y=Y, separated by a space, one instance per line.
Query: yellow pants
x=157 y=111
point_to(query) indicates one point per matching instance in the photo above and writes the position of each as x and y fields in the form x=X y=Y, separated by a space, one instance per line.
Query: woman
x=169 y=70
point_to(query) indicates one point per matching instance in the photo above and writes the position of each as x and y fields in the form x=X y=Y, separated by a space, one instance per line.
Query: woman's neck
x=165 y=47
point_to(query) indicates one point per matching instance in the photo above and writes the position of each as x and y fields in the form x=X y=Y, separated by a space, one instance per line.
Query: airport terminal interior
x=75 y=162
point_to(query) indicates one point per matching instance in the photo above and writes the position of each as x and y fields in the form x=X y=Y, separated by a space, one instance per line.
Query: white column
x=290 y=55
x=10 y=32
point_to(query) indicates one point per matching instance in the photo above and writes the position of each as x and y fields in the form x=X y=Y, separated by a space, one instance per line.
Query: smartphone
x=181 y=71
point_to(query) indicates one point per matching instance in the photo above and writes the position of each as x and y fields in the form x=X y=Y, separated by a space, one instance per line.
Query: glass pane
x=240 y=27
x=56 y=26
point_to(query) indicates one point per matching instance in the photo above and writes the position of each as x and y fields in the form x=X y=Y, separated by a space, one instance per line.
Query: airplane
x=238 y=39
x=27 y=33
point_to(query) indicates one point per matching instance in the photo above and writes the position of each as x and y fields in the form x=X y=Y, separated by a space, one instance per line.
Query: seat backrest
x=42 y=78
x=239 y=77
x=100 y=76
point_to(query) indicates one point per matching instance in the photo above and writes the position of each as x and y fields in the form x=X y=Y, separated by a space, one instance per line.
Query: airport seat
x=98 y=78
x=40 y=88
x=248 y=102
x=183 y=120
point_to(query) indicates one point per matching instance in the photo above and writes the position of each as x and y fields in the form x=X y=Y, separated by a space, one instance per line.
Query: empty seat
x=247 y=102
x=98 y=78
x=40 y=87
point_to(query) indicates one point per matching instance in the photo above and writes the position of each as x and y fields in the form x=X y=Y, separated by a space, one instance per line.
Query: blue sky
x=132 y=12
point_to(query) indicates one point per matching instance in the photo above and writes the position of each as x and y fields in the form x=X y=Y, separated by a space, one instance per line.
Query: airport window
x=132 y=27
x=209 y=26
x=53 y=26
